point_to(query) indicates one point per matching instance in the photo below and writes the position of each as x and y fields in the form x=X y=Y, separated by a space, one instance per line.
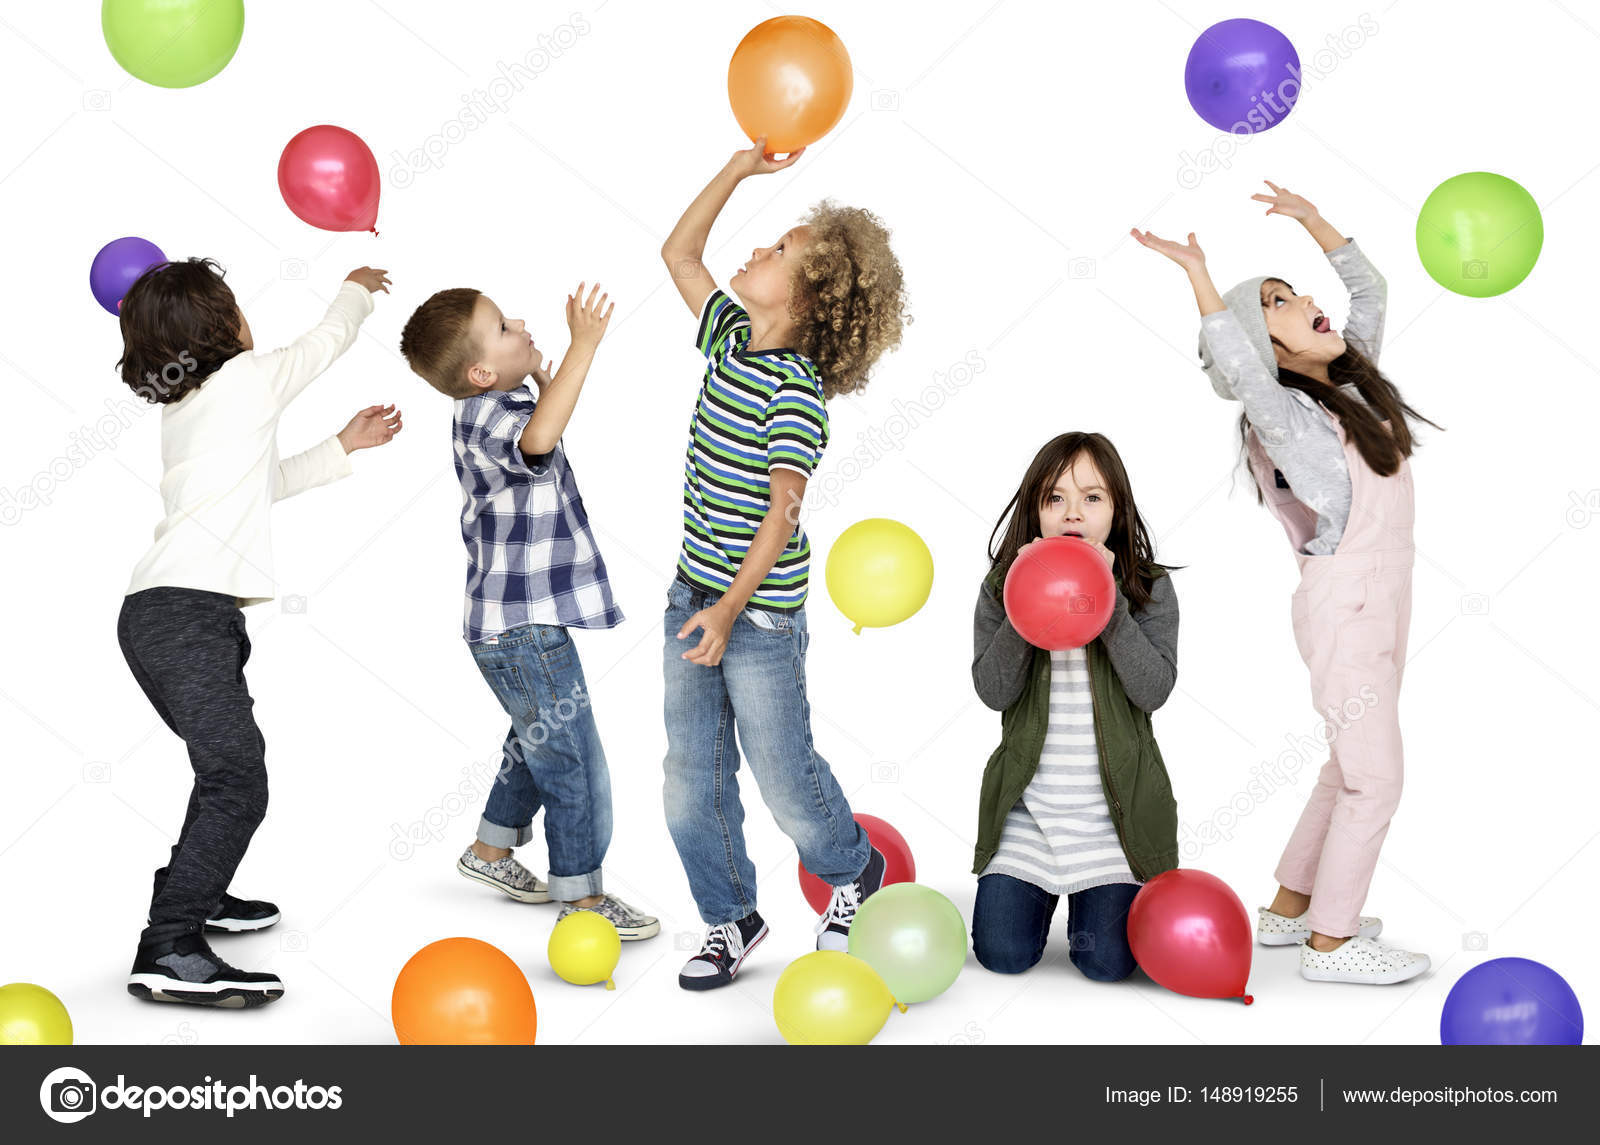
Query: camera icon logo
x=1475 y=268
x=1475 y=941
x=294 y=604
x=67 y=1095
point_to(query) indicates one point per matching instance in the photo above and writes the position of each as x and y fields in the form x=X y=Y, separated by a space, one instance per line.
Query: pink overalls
x=1351 y=616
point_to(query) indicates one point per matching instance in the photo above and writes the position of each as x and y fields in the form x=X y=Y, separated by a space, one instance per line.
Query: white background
x=1009 y=147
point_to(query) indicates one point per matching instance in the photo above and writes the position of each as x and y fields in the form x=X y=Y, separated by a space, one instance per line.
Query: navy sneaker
x=833 y=927
x=722 y=953
x=185 y=969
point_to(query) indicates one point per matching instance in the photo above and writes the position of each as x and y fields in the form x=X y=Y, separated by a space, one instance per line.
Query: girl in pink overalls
x=1327 y=441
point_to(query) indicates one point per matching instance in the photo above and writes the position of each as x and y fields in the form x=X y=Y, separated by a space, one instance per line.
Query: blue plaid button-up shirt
x=531 y=558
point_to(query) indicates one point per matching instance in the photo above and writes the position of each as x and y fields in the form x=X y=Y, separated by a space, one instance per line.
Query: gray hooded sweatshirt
x=1236 y=354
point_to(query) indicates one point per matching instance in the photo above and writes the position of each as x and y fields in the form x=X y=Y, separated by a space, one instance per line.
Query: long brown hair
x=1129 y=541
x=1381 y=449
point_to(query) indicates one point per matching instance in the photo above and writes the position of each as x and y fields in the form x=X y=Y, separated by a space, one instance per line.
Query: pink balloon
x=330 y=179
x=1190 y=932
x=1059 y=593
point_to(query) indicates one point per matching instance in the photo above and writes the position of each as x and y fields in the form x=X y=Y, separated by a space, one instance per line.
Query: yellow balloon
x=584 y=948
x=879 y=573
x=32 y=1016
x=830 y=998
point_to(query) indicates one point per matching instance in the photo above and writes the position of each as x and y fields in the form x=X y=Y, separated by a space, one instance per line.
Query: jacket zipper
x=1105 y=771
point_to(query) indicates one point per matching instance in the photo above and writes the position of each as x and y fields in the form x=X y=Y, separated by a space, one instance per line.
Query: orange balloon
x=790 y=80
x=462 y=992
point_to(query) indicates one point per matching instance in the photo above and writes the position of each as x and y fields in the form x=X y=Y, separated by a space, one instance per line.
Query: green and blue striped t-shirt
x=758 y=410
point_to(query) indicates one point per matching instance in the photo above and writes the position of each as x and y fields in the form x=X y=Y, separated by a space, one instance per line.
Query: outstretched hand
x=1187 y=255
x=1286 y=202
x=373 y=426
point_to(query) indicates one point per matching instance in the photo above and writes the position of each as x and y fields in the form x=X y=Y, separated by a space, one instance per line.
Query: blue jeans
x=552 y=756
x=759 y=688
x=1011 y=920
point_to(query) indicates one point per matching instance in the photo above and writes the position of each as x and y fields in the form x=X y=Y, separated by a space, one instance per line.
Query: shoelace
x=719 y=941
x=841 y=907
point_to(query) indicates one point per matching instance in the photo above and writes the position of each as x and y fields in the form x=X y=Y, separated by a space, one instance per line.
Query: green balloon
x=1479 y=234
x=172 y=43
x=913 y=937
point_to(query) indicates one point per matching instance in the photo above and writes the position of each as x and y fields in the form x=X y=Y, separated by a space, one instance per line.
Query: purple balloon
x=1511 y=1002
x=1242 y=76
x=118 y=264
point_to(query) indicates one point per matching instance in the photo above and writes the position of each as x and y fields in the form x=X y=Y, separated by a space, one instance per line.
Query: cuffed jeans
x=552 y=756
x=758 y=688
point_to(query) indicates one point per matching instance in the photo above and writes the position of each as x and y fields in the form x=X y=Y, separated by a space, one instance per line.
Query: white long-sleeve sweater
x=220 y=466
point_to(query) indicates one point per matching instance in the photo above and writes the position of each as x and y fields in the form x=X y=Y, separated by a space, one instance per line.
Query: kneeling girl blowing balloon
x=1075 y=800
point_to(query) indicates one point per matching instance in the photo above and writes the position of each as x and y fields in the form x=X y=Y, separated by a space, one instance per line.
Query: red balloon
x=1191 y=933
x=330 y=179
x=1059 y=593
x=899 y=866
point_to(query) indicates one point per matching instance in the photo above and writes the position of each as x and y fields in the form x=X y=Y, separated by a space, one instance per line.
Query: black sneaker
x=184 y=969
x=722 y=953
x=833 y=927
x=233 y=915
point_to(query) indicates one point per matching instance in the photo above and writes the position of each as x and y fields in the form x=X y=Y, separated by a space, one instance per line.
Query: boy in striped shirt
x=533 y=574
x=814 y=312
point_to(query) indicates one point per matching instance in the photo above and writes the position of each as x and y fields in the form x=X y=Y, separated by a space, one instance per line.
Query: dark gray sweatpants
x=187 y=648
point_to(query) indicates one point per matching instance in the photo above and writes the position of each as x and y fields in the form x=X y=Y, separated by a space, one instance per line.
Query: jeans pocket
x=511 y=687
x=767 y=620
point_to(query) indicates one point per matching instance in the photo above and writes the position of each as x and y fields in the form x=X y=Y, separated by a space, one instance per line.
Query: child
x=533 y=574
x=816 y=310
x=1326 y=440
x=187 y=348
x=1075 y=800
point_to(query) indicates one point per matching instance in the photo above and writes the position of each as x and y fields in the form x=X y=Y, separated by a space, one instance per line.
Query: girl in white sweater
x=188 y=348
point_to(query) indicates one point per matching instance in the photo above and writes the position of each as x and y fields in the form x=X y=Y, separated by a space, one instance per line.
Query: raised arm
x=1246 y=378
x=686 y=245
x=587 y=319
x=1369 y=294
x=298 y=364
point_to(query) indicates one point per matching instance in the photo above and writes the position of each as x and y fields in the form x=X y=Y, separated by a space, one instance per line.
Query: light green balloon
x=172 y=43
x=913 y=937
x=1479 y=234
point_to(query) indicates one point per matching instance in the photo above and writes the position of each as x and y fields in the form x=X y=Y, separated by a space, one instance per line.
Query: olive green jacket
x=1132 y=670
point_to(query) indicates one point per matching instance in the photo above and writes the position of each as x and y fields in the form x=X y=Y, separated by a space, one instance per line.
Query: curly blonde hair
x=847 y=296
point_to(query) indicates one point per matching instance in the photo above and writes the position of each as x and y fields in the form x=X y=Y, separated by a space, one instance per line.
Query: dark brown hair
x=437 y=341
x=180 y=324
x=1381 y=449
x=1129 y=541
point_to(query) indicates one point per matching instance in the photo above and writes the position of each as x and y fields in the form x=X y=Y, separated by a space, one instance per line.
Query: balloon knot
x=1248 y=998
x=902 y=1006
x=857 y=630
x=610 y=985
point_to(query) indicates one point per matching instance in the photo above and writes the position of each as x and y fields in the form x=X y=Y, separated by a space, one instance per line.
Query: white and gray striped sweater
x=1059 y=835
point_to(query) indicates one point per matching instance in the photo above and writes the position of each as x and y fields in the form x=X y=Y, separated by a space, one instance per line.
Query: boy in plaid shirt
x=533 y=573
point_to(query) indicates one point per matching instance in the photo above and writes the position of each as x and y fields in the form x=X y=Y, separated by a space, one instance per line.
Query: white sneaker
x=1361 y=960
x=505 y=874
x=1280 y=930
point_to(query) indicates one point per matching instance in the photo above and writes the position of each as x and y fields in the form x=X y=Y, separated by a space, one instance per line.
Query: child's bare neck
x=767 y=333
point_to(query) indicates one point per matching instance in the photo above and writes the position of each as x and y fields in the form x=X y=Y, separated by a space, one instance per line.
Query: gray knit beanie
x=1244 y=300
